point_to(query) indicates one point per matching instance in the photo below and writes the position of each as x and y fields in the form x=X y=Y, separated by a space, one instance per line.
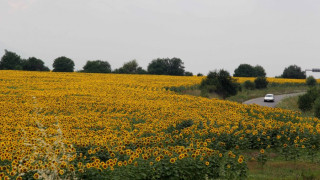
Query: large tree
x=10 y=61
x=97 y=66
x=158 y=66
x=293 y=72
x=246 y=70
x=166 y=66
x=34 y=64
x=63 y=64
x=259 y=70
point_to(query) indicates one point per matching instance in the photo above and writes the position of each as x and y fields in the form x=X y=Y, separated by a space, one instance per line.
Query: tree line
x=160 y=66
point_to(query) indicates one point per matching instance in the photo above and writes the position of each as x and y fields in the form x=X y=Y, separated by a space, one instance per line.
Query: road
x=278 y=98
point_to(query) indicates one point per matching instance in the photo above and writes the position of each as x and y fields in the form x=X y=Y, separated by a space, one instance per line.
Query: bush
x=249 y=85
x=261 y=82
x=311 y=81
x=317 y=108
x=305 y=102
x=221 y=83
x=187 y=73
x=199 y=74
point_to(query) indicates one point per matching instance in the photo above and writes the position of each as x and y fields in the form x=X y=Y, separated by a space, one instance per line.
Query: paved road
x=278 y=98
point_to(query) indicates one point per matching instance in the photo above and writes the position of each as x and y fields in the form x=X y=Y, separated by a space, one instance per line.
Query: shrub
x=221 y=83
x=249 y=85
x=317 y=108
x=187 y=73
x=199 y=74
x=311 y=81
x=305 y=102
x=261 y=82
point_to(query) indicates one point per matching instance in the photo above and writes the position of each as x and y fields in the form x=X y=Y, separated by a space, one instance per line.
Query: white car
x=269 y=98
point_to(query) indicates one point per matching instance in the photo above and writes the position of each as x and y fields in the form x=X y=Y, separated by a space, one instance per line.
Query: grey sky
x=205 y=34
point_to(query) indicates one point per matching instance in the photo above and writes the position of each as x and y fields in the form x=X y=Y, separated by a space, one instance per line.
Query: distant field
x=108 y=126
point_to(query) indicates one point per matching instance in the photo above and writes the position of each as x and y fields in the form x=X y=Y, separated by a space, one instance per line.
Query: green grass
x=291 y=103
x=284 y=170
x=277 y=168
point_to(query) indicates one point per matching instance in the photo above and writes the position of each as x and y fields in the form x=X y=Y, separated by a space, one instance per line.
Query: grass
x=277 y=168
x=291 y=103
x=284 y=170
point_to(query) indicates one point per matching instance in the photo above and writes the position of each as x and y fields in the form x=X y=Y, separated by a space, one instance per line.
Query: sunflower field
x=108 y=126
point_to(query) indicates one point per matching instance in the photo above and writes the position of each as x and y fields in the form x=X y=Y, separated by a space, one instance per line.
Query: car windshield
x=269 y=95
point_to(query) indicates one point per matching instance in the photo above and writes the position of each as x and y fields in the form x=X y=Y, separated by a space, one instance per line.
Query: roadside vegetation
x=308 y=104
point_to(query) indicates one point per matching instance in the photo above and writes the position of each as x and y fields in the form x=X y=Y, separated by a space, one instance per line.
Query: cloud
x=20 y=4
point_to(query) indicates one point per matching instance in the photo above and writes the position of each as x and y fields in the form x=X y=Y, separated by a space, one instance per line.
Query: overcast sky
x=205 y=34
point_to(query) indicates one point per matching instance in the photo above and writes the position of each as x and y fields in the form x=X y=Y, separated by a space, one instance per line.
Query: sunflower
x=262 y=151
x=158 y=159
x=36 y=176
x=207 y=163
x=61 y=172
x=172 y=160
x=240 y=160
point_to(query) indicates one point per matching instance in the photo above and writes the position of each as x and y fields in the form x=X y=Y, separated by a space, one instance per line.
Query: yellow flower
x=36 y=176
x=240 y=160
x=172 y=160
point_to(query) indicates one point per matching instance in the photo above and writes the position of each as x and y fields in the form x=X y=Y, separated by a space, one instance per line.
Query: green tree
x=158 y=66
x=220 y=82
x=293 y=72
x=261 y=82
x=176 y=67
x=10 y=61
x=311 y=81
x=63 y=64
x=259 y=71
x=187 y=73
x=34 y=64
x=166 y=66
x=97 y=66
x=131 y=67
x=244 y=70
